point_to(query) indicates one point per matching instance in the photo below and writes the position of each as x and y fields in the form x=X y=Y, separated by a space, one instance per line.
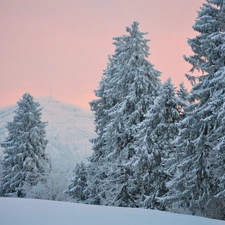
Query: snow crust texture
x=37 y=212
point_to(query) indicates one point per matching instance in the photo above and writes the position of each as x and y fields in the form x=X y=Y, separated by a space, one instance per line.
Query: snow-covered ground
x=41 y=212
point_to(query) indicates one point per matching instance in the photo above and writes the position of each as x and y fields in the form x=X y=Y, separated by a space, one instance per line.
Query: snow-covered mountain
x=69 y=130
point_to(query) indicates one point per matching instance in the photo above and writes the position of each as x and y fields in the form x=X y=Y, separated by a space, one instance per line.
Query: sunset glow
x=60 y=48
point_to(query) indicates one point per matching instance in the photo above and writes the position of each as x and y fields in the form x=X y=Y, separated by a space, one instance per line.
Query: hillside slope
x=38 y=212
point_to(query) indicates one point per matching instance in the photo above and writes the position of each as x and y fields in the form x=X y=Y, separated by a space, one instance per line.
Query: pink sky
x=60 y=47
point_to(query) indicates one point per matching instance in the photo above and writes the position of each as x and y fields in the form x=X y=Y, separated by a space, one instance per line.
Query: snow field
x=14 y=211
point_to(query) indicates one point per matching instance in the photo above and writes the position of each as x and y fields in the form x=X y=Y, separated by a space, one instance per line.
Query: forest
x=156 y=146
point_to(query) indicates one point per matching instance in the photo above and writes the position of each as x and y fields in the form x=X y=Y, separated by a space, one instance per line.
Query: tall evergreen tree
x=200 y=169
x=183 y=96
x=76 y=189
x=155 y=151
x=183 y=93
x=25 y=161
x=127 y=90
x=100 y=107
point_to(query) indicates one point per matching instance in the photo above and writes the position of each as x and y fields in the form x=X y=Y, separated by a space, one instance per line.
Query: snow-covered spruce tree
x=100 y=108
x=1 y=175
x=25 y=161
x=183 y=93
x=76 y=189
x=219 y=167
x=183 y=96
x=128 y=89
x=201 y=168
x=154 y=150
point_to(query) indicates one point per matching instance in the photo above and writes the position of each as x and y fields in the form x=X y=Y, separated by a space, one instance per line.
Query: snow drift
x=41 y=212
